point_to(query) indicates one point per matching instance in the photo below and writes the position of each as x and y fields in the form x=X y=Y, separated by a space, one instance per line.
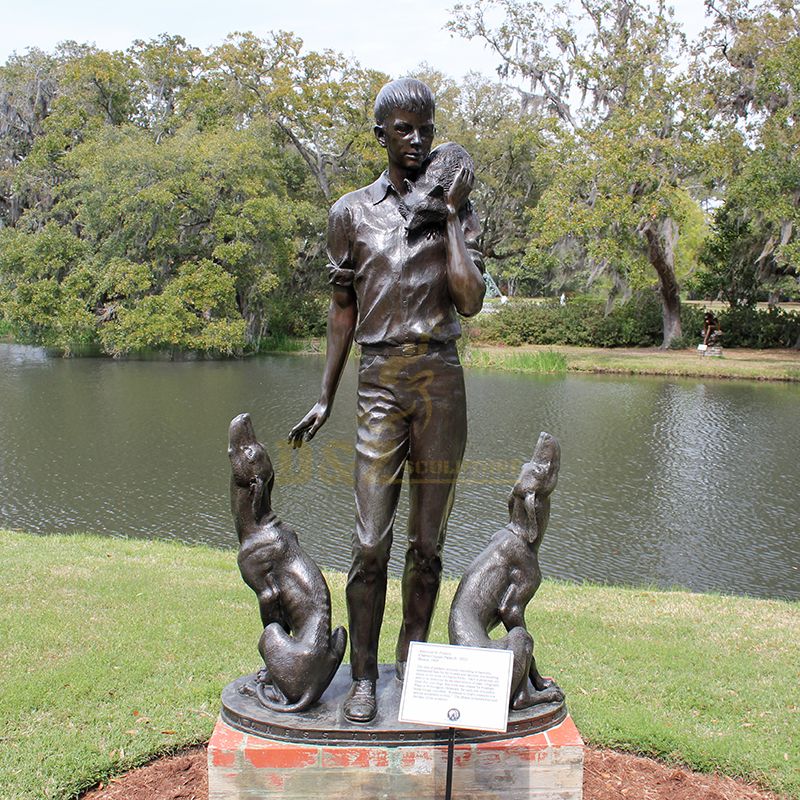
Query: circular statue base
x=325 y=723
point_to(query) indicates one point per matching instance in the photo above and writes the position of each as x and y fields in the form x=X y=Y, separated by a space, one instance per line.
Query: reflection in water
x=676 y=483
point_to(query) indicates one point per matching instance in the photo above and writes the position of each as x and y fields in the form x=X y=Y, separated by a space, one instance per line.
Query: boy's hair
x=408 y=94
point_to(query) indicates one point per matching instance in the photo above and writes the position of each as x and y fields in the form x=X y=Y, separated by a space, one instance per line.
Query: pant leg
x=438 y=434
x=381 y=452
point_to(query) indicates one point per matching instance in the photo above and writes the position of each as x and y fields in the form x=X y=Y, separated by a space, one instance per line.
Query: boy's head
x=407 y=94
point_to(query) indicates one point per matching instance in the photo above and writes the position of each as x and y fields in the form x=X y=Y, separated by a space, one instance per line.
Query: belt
x=408 y=349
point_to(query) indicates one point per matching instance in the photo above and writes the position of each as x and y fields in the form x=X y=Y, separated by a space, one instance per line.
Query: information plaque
x=457 y=687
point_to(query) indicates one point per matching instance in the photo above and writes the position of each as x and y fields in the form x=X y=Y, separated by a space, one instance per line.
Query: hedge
x=637 y=323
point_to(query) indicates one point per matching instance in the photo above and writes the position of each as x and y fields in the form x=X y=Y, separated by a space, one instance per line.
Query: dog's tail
x=338 y=644
x=269 y=703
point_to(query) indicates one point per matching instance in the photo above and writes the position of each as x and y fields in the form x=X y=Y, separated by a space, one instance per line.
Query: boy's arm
x=342 y=318
x=464 y=278
x=342 y=315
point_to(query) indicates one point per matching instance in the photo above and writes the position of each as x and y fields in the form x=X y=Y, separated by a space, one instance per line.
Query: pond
x=675 y=483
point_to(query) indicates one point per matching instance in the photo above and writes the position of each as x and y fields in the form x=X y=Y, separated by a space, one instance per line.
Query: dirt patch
x=180 y=777
x=607 y=776
x=617 y=776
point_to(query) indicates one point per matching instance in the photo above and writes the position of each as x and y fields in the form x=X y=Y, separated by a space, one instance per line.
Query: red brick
x=535 y=740
x=269 y=755
x=225 y=737
x=366 y=757
x=565 y=735
x=276 y=781
x=222 y=758
x=415 y=757
x=463 y=755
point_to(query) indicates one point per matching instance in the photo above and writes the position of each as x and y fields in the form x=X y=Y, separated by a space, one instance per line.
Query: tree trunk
x=661 y=237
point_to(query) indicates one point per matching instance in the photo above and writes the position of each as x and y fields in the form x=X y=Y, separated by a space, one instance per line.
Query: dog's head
x=536 y=483
x=427 y=198
x=251 y=468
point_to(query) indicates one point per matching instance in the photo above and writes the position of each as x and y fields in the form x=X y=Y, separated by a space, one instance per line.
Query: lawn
x=770 y=365
x=762 y=365
x=114 y=651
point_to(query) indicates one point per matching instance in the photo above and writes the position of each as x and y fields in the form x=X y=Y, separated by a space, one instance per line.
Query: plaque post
x=448 y=787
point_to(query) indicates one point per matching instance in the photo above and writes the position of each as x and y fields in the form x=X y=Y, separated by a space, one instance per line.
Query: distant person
x=710 y=325
x=563 y=299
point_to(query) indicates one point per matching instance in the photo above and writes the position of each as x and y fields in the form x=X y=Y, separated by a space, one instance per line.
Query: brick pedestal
x=540 y=766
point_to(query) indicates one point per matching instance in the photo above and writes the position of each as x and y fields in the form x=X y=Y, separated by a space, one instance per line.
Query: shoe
x=400 y=670
x=361 y=704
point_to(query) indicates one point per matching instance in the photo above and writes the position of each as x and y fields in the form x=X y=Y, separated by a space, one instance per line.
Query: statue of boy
x=397 y=292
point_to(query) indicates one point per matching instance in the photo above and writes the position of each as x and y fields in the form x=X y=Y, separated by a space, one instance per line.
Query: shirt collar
x=384 y=187
x=381 y=188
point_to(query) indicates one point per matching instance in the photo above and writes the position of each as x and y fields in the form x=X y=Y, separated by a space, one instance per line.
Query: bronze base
x=325 y=722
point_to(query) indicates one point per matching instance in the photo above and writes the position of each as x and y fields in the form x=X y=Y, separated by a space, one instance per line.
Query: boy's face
x=407 y=137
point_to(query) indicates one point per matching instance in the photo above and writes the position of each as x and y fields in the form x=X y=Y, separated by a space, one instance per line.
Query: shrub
x=749 y=327
x=582 y=321
x=296 y=315
x=637 y=323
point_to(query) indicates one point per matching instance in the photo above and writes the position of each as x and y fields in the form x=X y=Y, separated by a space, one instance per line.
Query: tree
x=629 y=144
x=180 y=242
x=728 y=260
x=167 y=68
x=28 y=85
x=489 y=119
x=321 y=102
x=751 y=65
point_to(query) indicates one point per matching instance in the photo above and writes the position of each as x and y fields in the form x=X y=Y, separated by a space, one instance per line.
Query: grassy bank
x=762 y=365
x=114 y=651
x=770 y=365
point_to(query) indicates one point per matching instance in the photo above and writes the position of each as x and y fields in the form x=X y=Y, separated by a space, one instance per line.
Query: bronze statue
x=501 y=581
x=398 y=292
x=300 y=653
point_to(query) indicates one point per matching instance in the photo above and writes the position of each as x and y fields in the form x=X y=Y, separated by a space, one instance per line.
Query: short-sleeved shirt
x=399 y=279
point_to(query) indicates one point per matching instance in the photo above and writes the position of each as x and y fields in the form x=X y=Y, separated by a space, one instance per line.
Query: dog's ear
x=532 y=531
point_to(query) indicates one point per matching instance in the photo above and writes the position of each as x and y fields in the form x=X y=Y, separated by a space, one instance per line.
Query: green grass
x=281 y=343
x=542 y=361
x=770 y=365
x=114 y=651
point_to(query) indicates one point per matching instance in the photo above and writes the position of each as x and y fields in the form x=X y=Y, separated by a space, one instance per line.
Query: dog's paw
x=263 y=676
x=269 y=695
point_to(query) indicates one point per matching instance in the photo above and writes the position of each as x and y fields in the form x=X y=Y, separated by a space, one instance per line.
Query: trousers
x=411 y=412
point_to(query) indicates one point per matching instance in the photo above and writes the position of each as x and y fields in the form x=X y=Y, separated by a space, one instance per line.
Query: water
x=663 y=481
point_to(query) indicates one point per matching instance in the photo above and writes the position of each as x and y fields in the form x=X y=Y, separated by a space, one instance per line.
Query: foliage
x=181 y=244
x=749 y=327
x=321 y=103
x=625 y=158
x=637 y=323
x=582 y=321
x=116 y=653
x=537 y=363
x=728 y=261
x=171 y=168
x=594 y=151
x=751 y=66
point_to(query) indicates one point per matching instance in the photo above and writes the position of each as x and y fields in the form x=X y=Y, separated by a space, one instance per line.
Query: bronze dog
x=501 y=581
x=300 y=653
x=425 y=205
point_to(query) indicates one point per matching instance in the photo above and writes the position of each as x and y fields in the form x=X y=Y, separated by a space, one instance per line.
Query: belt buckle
x=409 y=349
